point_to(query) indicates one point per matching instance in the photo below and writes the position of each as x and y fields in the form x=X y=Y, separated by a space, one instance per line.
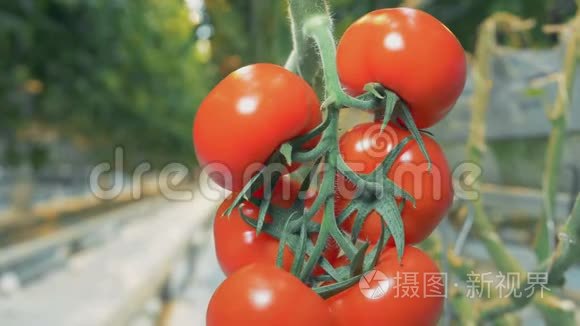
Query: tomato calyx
x=394 y=108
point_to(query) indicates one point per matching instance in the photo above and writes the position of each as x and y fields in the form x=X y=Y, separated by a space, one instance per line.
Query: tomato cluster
x=248 y=116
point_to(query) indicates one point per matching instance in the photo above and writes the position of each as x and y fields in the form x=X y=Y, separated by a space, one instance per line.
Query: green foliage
x=126 y=72
x=113 y=72
x=463 y=17
x=264 y=24
x=248 y=32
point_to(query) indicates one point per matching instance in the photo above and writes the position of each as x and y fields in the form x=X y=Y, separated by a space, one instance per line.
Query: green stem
x=292 y=62
x=306 y=59
x=558 y=117
x=319 y=27
x=476 y=146
x=464 y=307
x=556 y=265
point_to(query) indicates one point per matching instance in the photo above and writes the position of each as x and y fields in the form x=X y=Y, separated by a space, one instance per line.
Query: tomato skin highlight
x=364 y=148
x=247 y=116
x=264 y=295
x=409 y=52
x=394 y=307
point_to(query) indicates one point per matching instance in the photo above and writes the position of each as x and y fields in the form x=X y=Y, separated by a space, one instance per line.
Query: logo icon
x=374 y=284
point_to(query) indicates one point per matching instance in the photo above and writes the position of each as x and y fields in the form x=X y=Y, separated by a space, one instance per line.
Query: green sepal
x=353 y=207
x=362 y=213
x=330 y=270
x=375 y=89
x=390 y=100
x=390 y=159
x=265 y=204
x=356 y=265
x=250 y=186
x=300 y=251
x=372 y=258
x=300 y=140
x=282 y=245
x=412 y=127
x=286 y=150
x=329 y=290
x=390 y=213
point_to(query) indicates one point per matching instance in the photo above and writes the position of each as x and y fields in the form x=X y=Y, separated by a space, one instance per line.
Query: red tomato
x=409 y=52
x=264 y=295
x=247 y=116
x=237 y=243
x=407 y=294
x=364 y=147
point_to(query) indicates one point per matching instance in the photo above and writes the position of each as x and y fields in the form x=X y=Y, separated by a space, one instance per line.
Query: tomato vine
x=312 y=26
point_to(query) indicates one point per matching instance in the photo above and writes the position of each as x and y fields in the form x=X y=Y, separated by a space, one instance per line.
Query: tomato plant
x=364 y=147
x=262 y=295
x=410 y=53
x=265 y=114
x=384 y=297
x=247 y=116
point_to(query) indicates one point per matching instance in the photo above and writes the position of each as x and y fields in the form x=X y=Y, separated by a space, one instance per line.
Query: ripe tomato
x=264 y=295
x=247 y=116
x=364 y=147
x=237 y=243
x=407 y=294
x=409 y=52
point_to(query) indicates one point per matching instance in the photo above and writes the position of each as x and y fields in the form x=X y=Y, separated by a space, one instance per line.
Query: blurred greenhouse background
x=82 y=80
